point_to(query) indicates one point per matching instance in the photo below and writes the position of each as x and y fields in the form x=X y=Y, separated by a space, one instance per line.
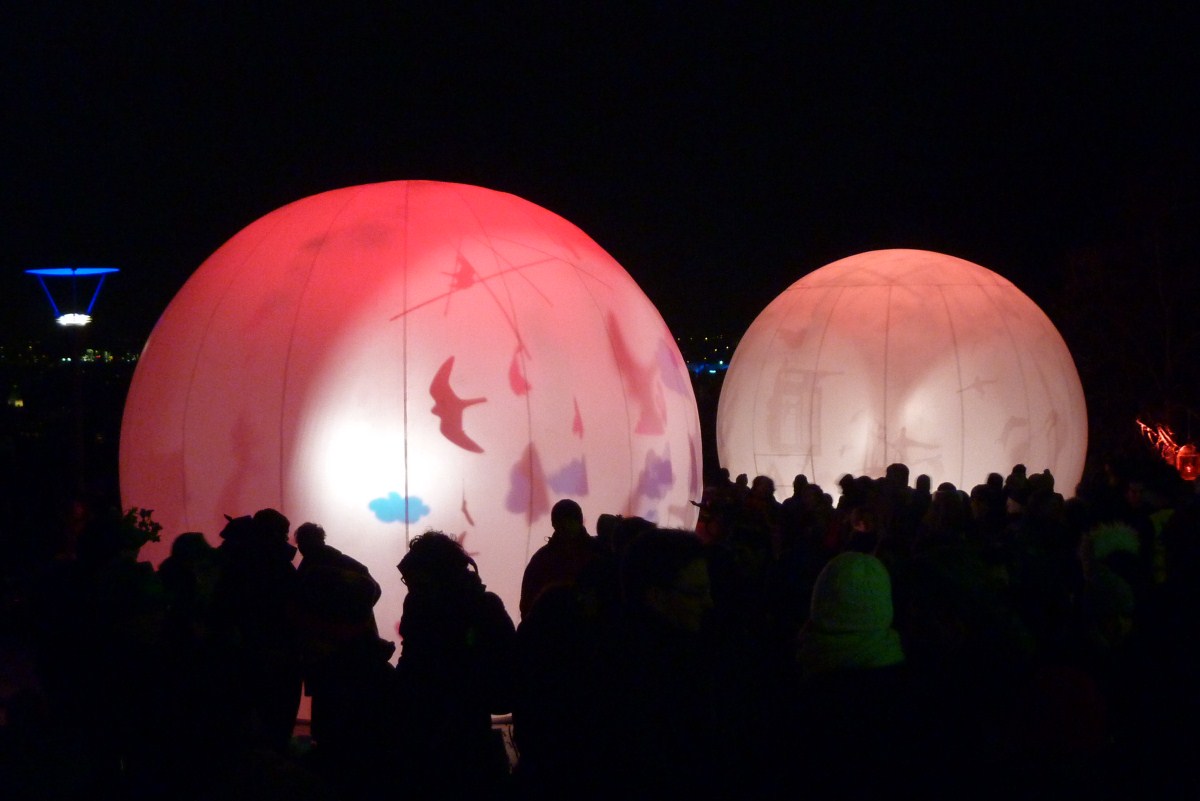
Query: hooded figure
x=455 y=670
x=855 y=709
x=850 y=625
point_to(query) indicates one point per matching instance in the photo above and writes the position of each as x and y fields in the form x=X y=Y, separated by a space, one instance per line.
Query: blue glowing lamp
x=74 y=314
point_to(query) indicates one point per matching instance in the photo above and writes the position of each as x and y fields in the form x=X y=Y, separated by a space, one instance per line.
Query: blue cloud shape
x=395 y=508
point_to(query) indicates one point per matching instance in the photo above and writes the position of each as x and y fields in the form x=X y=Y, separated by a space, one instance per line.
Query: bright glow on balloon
x=902 y=356
x=388 y=358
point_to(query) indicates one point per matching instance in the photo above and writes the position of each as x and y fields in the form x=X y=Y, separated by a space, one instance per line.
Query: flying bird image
x=448 y=406
x=641 y=381
x=464 y=275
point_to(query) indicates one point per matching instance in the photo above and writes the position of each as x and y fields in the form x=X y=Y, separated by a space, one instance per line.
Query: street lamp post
x=72 y=314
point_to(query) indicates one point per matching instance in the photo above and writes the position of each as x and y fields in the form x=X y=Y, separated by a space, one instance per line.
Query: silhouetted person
x=863 y=530
x=793 y=516
x=564 y=556
x=191 y=576
x=455 y=671
x=851 y=494
x=614 y=535
x=805 y=551
x=344 y=664
x=761 y=509
x=565 y=650
x=741 y=487
x=119 y=637
x=665 y=691
x=344 y=585
x=966 y=650
x=754 y=646
x=715 y=505
x=206 y=713
x=947 y=520
x=897 y=517
x=258 y=594
x=854 y=714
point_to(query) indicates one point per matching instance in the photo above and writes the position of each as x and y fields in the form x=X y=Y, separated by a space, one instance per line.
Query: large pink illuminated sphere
x=388 y=358
x=902 y=356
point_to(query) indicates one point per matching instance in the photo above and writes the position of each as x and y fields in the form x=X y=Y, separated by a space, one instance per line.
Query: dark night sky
x=719 y=154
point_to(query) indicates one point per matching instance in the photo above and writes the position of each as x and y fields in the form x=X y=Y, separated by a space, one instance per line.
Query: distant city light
x=29 y=354
x=707 y=354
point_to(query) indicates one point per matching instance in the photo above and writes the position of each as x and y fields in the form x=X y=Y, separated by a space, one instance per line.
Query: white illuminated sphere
x=393 y=357
x=902 y=356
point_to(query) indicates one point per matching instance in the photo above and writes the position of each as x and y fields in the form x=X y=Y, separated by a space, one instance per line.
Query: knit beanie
x=850 y=623
x=852 y=594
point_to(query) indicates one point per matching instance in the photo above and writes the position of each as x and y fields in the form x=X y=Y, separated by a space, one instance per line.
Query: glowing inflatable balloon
x=902 y=356
x=389 y=358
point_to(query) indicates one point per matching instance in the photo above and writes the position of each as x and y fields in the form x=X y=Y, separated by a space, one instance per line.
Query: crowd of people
x=997 y=641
